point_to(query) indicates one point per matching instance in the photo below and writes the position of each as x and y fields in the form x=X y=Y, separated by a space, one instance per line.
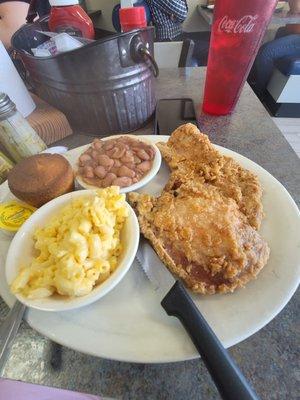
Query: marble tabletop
x=269 y=359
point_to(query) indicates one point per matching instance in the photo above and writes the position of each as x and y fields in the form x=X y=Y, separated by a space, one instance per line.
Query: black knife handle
x=229 y=380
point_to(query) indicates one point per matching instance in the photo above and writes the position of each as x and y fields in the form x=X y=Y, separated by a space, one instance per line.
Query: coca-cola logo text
x=242 y=25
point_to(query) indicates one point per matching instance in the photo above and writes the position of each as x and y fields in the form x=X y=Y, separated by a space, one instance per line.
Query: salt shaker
x=5 y=166
x=16 y=135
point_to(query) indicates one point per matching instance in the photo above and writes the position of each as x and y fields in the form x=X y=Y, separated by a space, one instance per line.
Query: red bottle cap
x=132 y=18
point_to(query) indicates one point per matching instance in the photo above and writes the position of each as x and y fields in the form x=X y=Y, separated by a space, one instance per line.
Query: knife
x=8 y=331
x=228 y=378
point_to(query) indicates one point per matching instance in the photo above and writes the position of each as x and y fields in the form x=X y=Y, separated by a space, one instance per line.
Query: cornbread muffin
x=40 y=178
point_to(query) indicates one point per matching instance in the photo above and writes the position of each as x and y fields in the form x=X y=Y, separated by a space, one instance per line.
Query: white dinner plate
x=129 y=323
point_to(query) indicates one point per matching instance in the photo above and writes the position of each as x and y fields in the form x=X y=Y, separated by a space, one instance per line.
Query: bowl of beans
x=125 y=161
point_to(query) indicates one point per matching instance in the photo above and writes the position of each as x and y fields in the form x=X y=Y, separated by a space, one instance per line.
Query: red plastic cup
x=132 y=18
x=237 y=32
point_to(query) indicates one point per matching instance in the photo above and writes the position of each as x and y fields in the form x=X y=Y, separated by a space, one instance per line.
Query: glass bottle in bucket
x=16 y=135
x=237 y=31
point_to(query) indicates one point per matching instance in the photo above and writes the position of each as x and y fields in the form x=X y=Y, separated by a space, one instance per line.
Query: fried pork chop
x=193 y=158
x=201 y=236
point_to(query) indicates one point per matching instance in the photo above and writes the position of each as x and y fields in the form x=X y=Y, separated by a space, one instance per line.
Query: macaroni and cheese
x=77 y=249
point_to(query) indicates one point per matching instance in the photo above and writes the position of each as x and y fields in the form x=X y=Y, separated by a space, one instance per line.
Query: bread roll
x=40 y=178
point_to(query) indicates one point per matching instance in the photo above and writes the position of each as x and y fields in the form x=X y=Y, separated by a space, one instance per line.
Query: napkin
x=12 y=84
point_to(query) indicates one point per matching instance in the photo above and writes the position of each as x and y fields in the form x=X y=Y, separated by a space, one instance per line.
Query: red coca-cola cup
x=237 y=31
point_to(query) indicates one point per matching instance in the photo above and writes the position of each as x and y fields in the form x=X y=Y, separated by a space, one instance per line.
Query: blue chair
x=283 y=46
x=283 y=89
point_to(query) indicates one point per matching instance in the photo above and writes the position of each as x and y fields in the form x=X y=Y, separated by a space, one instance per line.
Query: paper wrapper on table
x=50 y=123
x=10 y=389
x=12 y=84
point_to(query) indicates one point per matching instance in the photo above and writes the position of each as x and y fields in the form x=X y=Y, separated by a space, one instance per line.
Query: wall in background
x=106 y=6
x=193 y=22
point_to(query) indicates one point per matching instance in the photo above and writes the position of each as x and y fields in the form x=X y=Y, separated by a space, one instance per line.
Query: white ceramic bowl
x=21 y=251
x=146 y=178
x=56 y=150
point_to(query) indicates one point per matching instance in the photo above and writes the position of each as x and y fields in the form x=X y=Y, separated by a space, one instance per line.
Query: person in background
x=12 y=17
x=291 y=28
x=285 y=44
x=13 y=14
x=168 y=17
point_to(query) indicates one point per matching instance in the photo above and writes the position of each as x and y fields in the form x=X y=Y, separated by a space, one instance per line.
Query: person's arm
x=294 y=6
x=176 y=8
x=294 y=9
x=12 y=17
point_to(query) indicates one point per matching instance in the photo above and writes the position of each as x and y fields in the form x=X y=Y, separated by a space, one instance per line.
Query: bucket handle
x=20 y=67
x=139 y=51
x=146 y=55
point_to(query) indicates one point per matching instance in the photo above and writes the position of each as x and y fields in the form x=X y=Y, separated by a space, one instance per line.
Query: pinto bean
x=90 y=163
x=114 y=170
x=125 y=171
x=110 y=152
x=105 y=161
x=124 y=140
x=117 y=163
x=108 y=145
x=94 y=154
x=144 y=166
x=151 y=152
x=130 y=165
x=88 y=172
x=110 y=167
x=118 y=151
x=100 y=171
x=142 y=154
x=121 y=139
x=134 y=180
x=107 y=181
x=97 y=145
x=136 y=159
x=128 y=157
x=123 y=181
x=93 y=181
x=135 y=149
x=84 y=157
